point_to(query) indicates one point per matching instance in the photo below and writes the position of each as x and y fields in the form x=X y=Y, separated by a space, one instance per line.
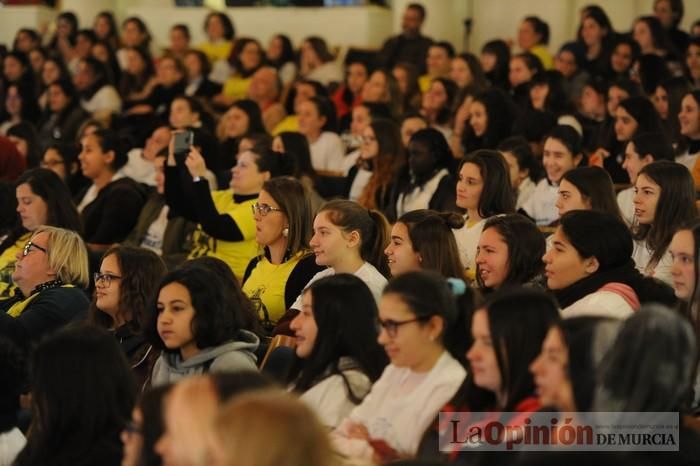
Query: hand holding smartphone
x=183 y=140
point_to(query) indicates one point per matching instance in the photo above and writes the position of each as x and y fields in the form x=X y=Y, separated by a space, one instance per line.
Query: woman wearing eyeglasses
x=225 y=226
x=416 y=313
x=51 y=273
x=124 y=286
x=275 y=278
x=42 y=199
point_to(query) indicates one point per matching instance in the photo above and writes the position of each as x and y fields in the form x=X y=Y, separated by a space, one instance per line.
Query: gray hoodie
x=235 y=355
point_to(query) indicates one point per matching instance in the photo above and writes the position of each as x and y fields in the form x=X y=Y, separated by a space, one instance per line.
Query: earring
x=285 y=231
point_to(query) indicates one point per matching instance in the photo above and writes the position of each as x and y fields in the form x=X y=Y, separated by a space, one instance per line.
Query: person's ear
x=109 y=157
x=577 y=159
x=435 y=326
x=591 y=265
x=647 y=159
x=353 y=238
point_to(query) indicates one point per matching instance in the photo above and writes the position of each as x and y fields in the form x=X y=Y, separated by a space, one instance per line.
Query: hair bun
x=452 y=220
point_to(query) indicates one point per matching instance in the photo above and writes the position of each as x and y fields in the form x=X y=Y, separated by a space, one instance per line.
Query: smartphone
x=181 y=145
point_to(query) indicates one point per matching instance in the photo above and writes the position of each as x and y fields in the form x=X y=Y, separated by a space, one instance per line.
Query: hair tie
x=457 y=286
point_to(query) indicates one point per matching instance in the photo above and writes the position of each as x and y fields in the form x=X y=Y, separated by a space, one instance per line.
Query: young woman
x=42 y=199
x=437 y=103
x=226 y=228
x=502 y=347
x=509 y=254
x=641 y=150
x=135 y=35
x=317 y=63
x=667 y=99
x=220 y=34
x=20 y=105
x=425 y=240
x=51 y=273
x=566 y=369
x=495 y=59
x=562 y=152
x=62 y=159
x=597 y=35
x=593 y=275
x=245 y=59
x=197 y=328
x=349 y=94
x=587 y=188
x=111 y=205
x=197 y=70
x=317 y=122
x=482 y=176
x=465 y=71
x=350 y=239
x=533 y=37
x=426 y=181
x=525 y=171
x=337 y=347
x=280 y=55
x=77 y=420
x=124 y=287
x=24 y=136
x=416 y=313
x=241 y=119
x=283 y=219
x=105 y=27
x=685 y=271
x=689 y=147
x=296 y=146
x=63 y=115
x=523 y=67
x=664 y=200
x=490 y=121
x=381 y=157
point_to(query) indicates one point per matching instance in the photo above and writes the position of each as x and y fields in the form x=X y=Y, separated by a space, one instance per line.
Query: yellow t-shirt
x=236 y=87
x=424 y=83
x=216 y=51
x=290 y=123
x=237 y=254
x=7 y=265
x=541 y=52
x=266 y=284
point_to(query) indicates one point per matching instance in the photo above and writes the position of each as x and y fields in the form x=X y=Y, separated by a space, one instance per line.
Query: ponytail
x=371 y=224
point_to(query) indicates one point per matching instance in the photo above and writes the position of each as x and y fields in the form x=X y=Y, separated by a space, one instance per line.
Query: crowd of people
x=507 y=232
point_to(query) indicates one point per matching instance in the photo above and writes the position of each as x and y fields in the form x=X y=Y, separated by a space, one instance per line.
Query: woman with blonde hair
x=255 y=429
x=51 y=273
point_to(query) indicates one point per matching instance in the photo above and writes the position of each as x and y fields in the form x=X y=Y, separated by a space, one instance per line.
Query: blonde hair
x=271 y=428
x=67 y=254
x=190 y=410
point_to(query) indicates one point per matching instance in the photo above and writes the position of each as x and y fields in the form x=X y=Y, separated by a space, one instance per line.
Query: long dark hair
x=432 y=237
x=386 y=164
x=78 y=418
x=141 y=270
x=596 y=186
x=526 y=246
x=676 y=205
x=345 y=314
x=691 y=308
x=61 y=212
x=500 y=114
x=519 y=320
x=297 y=146
x=494 y=200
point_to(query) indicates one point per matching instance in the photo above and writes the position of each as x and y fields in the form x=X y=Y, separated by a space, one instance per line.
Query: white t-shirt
x=400 y=407
x=420 y=197
x=625 y=200
x=688 y=160
x=329 y=398
x=327 y=73
x=542 y=205
x=327 y=152
x=105 y=100
x=367 y=273
x=154 y=235
x=359 y=183
x=138 y=168
x=11 y=443
x=525 y=192
x=467 y=242
x=642 y=257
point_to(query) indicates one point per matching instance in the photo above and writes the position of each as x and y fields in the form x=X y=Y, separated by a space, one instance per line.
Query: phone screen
x=181 y=146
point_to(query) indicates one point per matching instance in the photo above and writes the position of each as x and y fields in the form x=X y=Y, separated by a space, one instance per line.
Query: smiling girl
x=481 y=178
x=416 y=313
x=664 y=200
x=337 y=346
x=562 y=152
x=348 y=238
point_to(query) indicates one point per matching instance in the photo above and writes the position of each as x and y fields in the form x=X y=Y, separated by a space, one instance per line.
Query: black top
x=114 y=212
x=401 y=48
x=48 y=311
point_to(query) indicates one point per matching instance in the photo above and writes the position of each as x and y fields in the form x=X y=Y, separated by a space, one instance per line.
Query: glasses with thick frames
x=264 y=209
x=392 y=326
x=105 y=278
x=28 y=248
